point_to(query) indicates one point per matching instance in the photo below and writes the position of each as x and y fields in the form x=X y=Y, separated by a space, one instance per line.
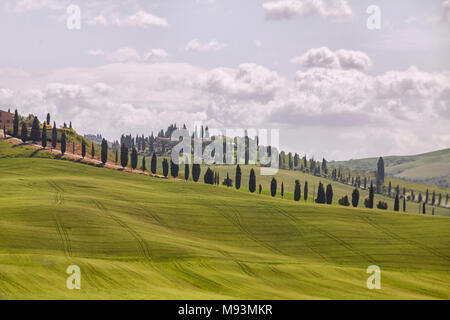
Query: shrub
x=344 y=201
x=382 y=205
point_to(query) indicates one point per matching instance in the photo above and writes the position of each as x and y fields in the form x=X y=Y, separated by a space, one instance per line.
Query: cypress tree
x=305 y=191
x=165 y=165
x=174 y=168
x=154 y=163
x=404 y=204
x=16 y=124
x=260 y=189
x=423 y=208
x=35 y=130
x=143 y=164
x=134 y=158
x=209 y=176
x=252 y=181
x=433 y=198
x=44 y=136
x=380 y=174
x=297 y=193
x=24 y=132
x=396 y=203
x=117 y=156
x=104 y=153
x=355 y=198
x=48 y=118
x=273 y=187
x=427 y=195
x=321 y=197
x=186 y=171
x=63 y=143
x=196 y=172
x=329 y=194
x=83 y=148
x=54 y=135
x=92 y=151
x=439 y=199
x=237 y=182
x=371 y=196
x=282 y=189
x=123 y=155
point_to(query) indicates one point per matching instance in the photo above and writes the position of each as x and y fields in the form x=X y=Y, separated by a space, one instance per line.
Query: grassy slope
x=431 y=168
x=141 y=237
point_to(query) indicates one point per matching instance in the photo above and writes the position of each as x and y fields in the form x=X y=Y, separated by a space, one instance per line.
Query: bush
x=382 y=205
x=344 y=201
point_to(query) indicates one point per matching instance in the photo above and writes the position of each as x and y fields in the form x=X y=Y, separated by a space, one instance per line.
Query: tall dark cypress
x=144 y=168
x=16 y=124
x=123 y=155
x=329 y=194
x=134 y=158
x=196 y=172
x=48 y=118
x=355 y=197
x=186 y=171
x=371 y=196
x=252 y=181
x=63 y=143
x=24 y=132
x=44 y=136
x=83 y=148
x=423 y=208
x=396 y=203
x=54 y=135
x=380 y=174
x=117 y=156
x=305 y=191
x=282 y=189
x=208 y=178
x=165 y=165
x=154 y=163
x=174 y=168
x=237 y=180
x=35 y=130
x=104 y=153
x=260 y=189
x=273 y=187
x=321 y=198
x=297 y=192
x=404 y=204
x=92 y=151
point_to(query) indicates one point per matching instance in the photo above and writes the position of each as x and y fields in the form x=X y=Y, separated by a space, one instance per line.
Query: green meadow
x=138 y=237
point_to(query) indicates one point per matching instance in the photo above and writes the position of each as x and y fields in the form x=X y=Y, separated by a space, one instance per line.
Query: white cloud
x=156 y=55
x=32 y=5
x=288 y=9
x=144 y=20
x=323 y=57
x=211 y=46
x=120 y=55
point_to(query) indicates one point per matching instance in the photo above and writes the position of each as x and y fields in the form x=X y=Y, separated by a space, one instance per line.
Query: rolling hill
x=430 y=168
x=137 y=237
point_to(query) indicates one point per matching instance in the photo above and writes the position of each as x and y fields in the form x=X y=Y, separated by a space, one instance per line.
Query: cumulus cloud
x=144 y=20
x=120 y=55
x=341 y=59
x=248 y=81
x=211 y=46
x=32 y=5
x=156 y=55
x=339 y=10
x=367 y=110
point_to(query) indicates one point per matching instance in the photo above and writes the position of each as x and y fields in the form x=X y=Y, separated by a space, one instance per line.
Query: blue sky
x=307 y=67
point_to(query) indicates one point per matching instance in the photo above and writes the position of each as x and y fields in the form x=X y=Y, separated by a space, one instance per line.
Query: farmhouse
x=6 y=119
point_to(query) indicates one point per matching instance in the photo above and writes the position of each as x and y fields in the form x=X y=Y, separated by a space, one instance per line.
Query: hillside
x=430 y=168
x=136 y=237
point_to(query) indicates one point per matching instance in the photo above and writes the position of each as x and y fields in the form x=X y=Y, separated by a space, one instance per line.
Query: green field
x=137 y=237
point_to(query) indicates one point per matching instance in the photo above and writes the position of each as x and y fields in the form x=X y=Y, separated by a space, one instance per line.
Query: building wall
x=6 y=119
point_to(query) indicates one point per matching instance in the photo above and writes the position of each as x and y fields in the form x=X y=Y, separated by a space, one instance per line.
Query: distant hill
x=430 y=168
